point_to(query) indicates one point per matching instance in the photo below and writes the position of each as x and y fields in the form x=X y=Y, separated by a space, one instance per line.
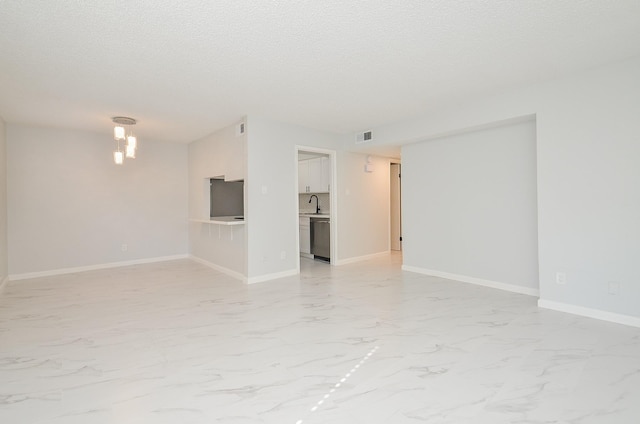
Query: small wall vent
x=240 y=129
x=364 y=137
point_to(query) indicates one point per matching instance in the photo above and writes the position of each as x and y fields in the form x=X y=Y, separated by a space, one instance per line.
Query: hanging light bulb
x=132 y=141
x=131 y=152
x=118 y=132
x=131 y=146
x=118 y=157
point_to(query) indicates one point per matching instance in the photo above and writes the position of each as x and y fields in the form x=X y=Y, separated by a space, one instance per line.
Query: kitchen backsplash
x=323 y=201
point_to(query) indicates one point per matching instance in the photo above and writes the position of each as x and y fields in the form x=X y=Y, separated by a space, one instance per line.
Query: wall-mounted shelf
x=221 y=220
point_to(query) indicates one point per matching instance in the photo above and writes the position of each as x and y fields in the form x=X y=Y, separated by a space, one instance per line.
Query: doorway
x=316 y=204
x=395 y=203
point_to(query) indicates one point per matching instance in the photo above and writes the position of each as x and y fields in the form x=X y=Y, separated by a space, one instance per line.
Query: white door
x=395 y=213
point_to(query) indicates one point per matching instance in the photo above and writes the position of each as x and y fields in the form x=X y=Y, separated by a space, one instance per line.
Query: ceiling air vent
x=364 y=137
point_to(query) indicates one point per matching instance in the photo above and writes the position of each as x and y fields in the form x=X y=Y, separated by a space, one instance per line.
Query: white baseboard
x=273 y=276
x=590 y=313
x=473 y=280
x=27 y=275
x=3 y=283
x=229 y=272
x=361 y=258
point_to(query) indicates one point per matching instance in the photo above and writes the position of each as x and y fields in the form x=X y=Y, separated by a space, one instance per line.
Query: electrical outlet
x=124 y=247
x=614 y=288
x=561 y=278
x=283 y=255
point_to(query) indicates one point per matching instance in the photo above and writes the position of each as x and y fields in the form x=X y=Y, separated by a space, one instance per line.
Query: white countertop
x=221 y=220
x=315 y=215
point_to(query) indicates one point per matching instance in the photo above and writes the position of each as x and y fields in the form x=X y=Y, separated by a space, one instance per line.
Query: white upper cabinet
x=325 y=180
x=314 y=175
x=303 y=176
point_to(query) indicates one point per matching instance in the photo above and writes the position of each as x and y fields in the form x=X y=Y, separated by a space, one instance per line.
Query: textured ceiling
x=186 y=69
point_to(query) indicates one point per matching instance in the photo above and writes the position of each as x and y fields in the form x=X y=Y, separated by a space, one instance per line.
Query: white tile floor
x=366 y=343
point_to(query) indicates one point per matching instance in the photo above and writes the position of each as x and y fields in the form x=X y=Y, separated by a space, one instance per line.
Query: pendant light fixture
x=121 y=132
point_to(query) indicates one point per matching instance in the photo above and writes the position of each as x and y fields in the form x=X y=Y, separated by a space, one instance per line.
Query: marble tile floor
x=177 y=342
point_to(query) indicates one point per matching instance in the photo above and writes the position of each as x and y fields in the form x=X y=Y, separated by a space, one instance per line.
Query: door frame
x=393 y=205
x=333 y=198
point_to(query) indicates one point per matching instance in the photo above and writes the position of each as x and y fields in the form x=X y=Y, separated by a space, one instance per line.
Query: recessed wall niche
x=226 y=197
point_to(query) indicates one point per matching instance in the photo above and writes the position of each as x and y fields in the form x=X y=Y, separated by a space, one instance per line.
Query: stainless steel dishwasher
x=320 y=238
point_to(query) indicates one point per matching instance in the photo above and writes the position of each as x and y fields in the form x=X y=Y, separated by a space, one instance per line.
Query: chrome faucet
x=317 y=202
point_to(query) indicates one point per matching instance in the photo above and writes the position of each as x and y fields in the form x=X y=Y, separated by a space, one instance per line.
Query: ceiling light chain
x=122 y=124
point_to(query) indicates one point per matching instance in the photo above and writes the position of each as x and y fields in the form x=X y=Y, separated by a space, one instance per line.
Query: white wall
x=272 y=217
x=469 y=205
x=588 y=174
x=4 y=258
x=364 y=200
x=363 y=215
x=221 y=153
x=70 y=206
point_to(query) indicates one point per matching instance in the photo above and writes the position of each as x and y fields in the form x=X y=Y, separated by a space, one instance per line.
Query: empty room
x=320 y=212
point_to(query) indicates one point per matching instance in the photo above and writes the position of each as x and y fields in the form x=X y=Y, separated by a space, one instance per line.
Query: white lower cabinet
x=305 y=235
